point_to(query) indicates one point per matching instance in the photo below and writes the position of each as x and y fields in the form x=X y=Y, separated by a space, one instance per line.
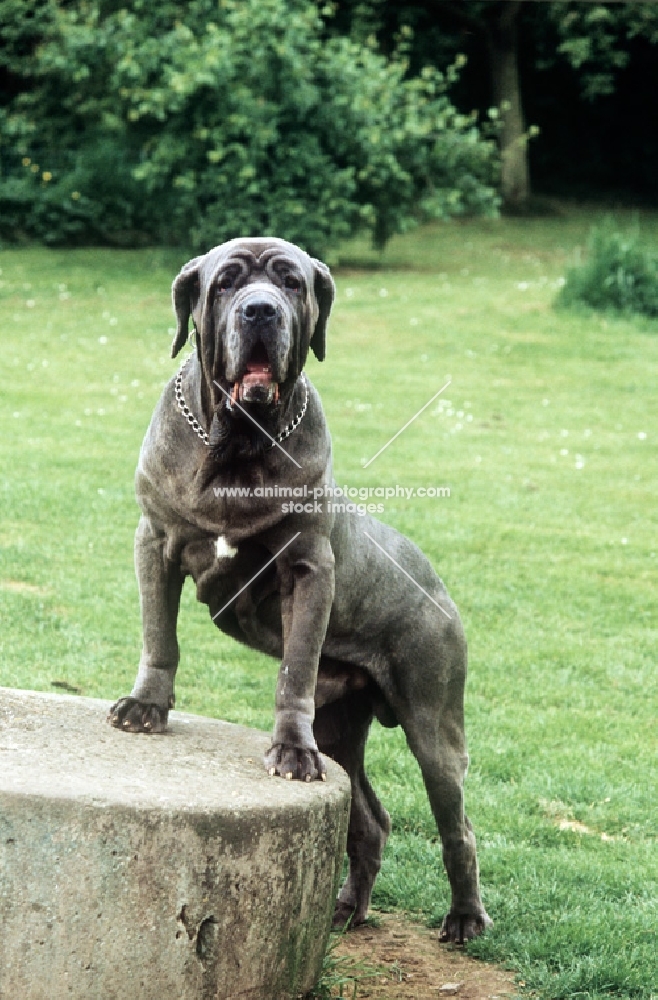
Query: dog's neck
x=236 y=437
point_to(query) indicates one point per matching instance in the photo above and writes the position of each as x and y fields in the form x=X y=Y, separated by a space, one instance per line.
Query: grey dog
x=318 y=589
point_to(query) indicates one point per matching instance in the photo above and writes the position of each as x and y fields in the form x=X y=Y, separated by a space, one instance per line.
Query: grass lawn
x=548 y=542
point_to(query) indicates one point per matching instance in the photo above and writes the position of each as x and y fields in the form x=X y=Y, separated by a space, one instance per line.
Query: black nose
x=256 y=311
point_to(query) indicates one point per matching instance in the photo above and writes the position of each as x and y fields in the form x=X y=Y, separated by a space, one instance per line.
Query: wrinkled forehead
x=255 y=253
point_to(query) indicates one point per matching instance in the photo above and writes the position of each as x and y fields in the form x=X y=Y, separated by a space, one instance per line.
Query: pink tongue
x=257 y=373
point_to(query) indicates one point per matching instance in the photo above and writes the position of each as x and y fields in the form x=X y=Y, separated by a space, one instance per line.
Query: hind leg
x=341 y=730
x=436 y=737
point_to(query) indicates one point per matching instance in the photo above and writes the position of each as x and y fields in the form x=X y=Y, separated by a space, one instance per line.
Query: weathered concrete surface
x=168 y=867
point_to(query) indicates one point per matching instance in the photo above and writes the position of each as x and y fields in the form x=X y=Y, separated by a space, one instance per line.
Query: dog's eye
x=292 y=283
x=227 y=280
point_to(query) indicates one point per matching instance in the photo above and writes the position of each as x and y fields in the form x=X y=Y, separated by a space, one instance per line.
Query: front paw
x=458 y=928
x=304 y=764
x=135 y=716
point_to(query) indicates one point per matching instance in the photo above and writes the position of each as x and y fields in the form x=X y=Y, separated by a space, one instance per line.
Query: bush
x=192 y=123
x=619 y=273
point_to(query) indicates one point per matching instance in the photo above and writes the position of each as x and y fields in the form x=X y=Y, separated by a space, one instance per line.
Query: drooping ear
x=325 y=291
x=185 y=294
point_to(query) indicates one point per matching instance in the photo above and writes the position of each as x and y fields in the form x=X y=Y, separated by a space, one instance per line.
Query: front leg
x=160 y=581
x=306 y=572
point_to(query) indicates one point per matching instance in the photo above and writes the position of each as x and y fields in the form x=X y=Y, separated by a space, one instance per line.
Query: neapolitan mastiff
x=356 y=637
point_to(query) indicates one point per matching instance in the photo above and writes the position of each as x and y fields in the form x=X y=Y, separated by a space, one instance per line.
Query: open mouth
x=257 y=384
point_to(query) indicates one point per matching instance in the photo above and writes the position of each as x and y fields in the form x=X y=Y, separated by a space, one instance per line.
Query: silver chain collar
x=198 y=429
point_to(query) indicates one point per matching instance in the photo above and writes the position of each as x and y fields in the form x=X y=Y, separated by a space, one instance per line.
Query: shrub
x=619 y=273
x=192 y=123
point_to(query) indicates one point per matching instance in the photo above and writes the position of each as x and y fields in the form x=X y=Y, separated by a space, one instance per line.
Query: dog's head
x=258 y=305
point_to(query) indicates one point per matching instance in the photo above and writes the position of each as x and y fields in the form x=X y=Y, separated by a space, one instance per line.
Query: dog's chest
x=224 y=549
x=208 y=559
x=228 y=509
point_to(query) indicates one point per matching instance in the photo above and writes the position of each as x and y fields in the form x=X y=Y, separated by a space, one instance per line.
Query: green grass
x=548 y=543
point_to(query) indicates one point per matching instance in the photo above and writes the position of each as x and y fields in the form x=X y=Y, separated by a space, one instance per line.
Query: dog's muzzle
x=259 y=319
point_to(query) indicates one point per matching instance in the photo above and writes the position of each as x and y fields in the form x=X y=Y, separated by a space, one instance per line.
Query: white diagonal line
x=268 y=563
x=407 y=574
x=407 y=424
x=234 y=402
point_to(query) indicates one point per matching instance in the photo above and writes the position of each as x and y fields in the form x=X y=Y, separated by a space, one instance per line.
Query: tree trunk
x=502 y=38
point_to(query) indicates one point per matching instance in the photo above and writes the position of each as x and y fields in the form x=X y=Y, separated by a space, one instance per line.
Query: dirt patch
x=406 y=962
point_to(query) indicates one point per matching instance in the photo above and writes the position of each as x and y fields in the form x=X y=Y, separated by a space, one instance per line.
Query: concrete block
x=164 y=867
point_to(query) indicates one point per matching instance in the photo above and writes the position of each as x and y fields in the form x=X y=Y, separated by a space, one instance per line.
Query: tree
x=494 y=24
x=498 y=24
x=593 y=39
x=193 y=123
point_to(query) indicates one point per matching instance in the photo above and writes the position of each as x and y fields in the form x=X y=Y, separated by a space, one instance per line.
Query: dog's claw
x=345 y=917
x=133 y=716
x=291 y=762
x=458 y=928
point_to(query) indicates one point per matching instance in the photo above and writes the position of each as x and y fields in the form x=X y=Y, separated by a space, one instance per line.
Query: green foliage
x=588 y=73
x=190 y=124
x=340 y=975
x=619 y=273
x=595 y=38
